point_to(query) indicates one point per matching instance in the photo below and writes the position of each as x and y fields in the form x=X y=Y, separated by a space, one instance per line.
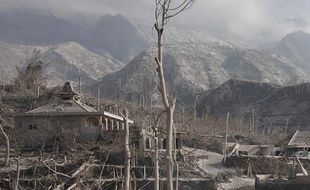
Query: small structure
x=249 y=150
x=68 y=117
x=299 y=144
x=147 y=140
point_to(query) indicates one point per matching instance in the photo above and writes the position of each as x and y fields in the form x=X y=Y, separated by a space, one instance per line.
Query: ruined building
x=68 y=117
x=299 y=144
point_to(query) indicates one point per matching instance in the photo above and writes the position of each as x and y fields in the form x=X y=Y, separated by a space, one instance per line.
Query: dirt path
x=213 y=166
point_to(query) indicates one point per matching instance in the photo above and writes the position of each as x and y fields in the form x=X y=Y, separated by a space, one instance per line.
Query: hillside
x=63 y=62
x=272 y=105
x=117 y=36
x=194 y=68
x=296 y=47
x=112 y=34
x=12 y=55
x=67 y=60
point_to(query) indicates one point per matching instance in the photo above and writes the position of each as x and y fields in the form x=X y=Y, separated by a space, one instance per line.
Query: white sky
x=250 y=19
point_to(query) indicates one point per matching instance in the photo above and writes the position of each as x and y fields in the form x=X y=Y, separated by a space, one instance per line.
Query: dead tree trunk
x=169 y=108
x=175 y=157
x=225 y=139
x=163 y=12
x=169 y=154
x=79 y=81
x=253 y=121
x=7 y=140
x=98 y=99
x=286 y=125
x=2 y=82
x=155 y=135
x=38 y=91
x=17 y=175
x=127 y=152
x=156 y=161
x=169 y=113
x=195 y=107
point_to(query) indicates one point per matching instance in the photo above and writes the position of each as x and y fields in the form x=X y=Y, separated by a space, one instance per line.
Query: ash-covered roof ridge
x=67 y=92
x=63 y=106
x=70 y=102
x=300 y=139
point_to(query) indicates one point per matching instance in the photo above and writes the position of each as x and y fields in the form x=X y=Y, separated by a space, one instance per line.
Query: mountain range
x=63 y=62
x=99 y=50
x=113 y=34
x=195 y=68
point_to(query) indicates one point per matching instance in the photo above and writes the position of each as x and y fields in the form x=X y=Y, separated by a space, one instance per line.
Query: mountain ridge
x=62 y=62
x=106 y=35
x=194 y=68
x=295 y=47
x=273 y=106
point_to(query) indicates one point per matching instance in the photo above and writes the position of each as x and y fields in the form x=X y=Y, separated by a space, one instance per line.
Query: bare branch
x=80 y=169
x=57 y=173
x=158 y=117
x=186 y=6
x=179 y=6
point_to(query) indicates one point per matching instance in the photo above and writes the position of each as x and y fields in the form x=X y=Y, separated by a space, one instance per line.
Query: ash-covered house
x=66 y=118
x=299 y=144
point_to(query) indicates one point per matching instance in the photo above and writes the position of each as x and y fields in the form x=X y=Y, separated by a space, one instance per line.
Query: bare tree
x=225 y=139
x=17 y=174
x=7 y=140
x=31 y=78
x=194 y=106
x=2 y=83
x=126 y=185
x=79 y=80
x=164 y=10
x=156 y=159
x=156 y=136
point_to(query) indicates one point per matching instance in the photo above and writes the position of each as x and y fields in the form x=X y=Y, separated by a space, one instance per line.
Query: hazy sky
x=250 y=19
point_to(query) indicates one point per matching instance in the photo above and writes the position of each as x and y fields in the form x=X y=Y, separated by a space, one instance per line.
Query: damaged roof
x=70 y=103
x=63 y=106
x=67 y=92
x=300 y=139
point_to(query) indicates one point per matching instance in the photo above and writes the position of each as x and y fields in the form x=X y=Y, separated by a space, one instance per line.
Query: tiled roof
x=70 y=103
x=300 y=139
x=63 y=106
x=67 y=91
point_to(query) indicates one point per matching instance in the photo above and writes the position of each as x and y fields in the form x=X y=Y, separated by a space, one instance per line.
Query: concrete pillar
x=106 y=124
x=122 y=126
x=112 y=124
x=117 y=125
